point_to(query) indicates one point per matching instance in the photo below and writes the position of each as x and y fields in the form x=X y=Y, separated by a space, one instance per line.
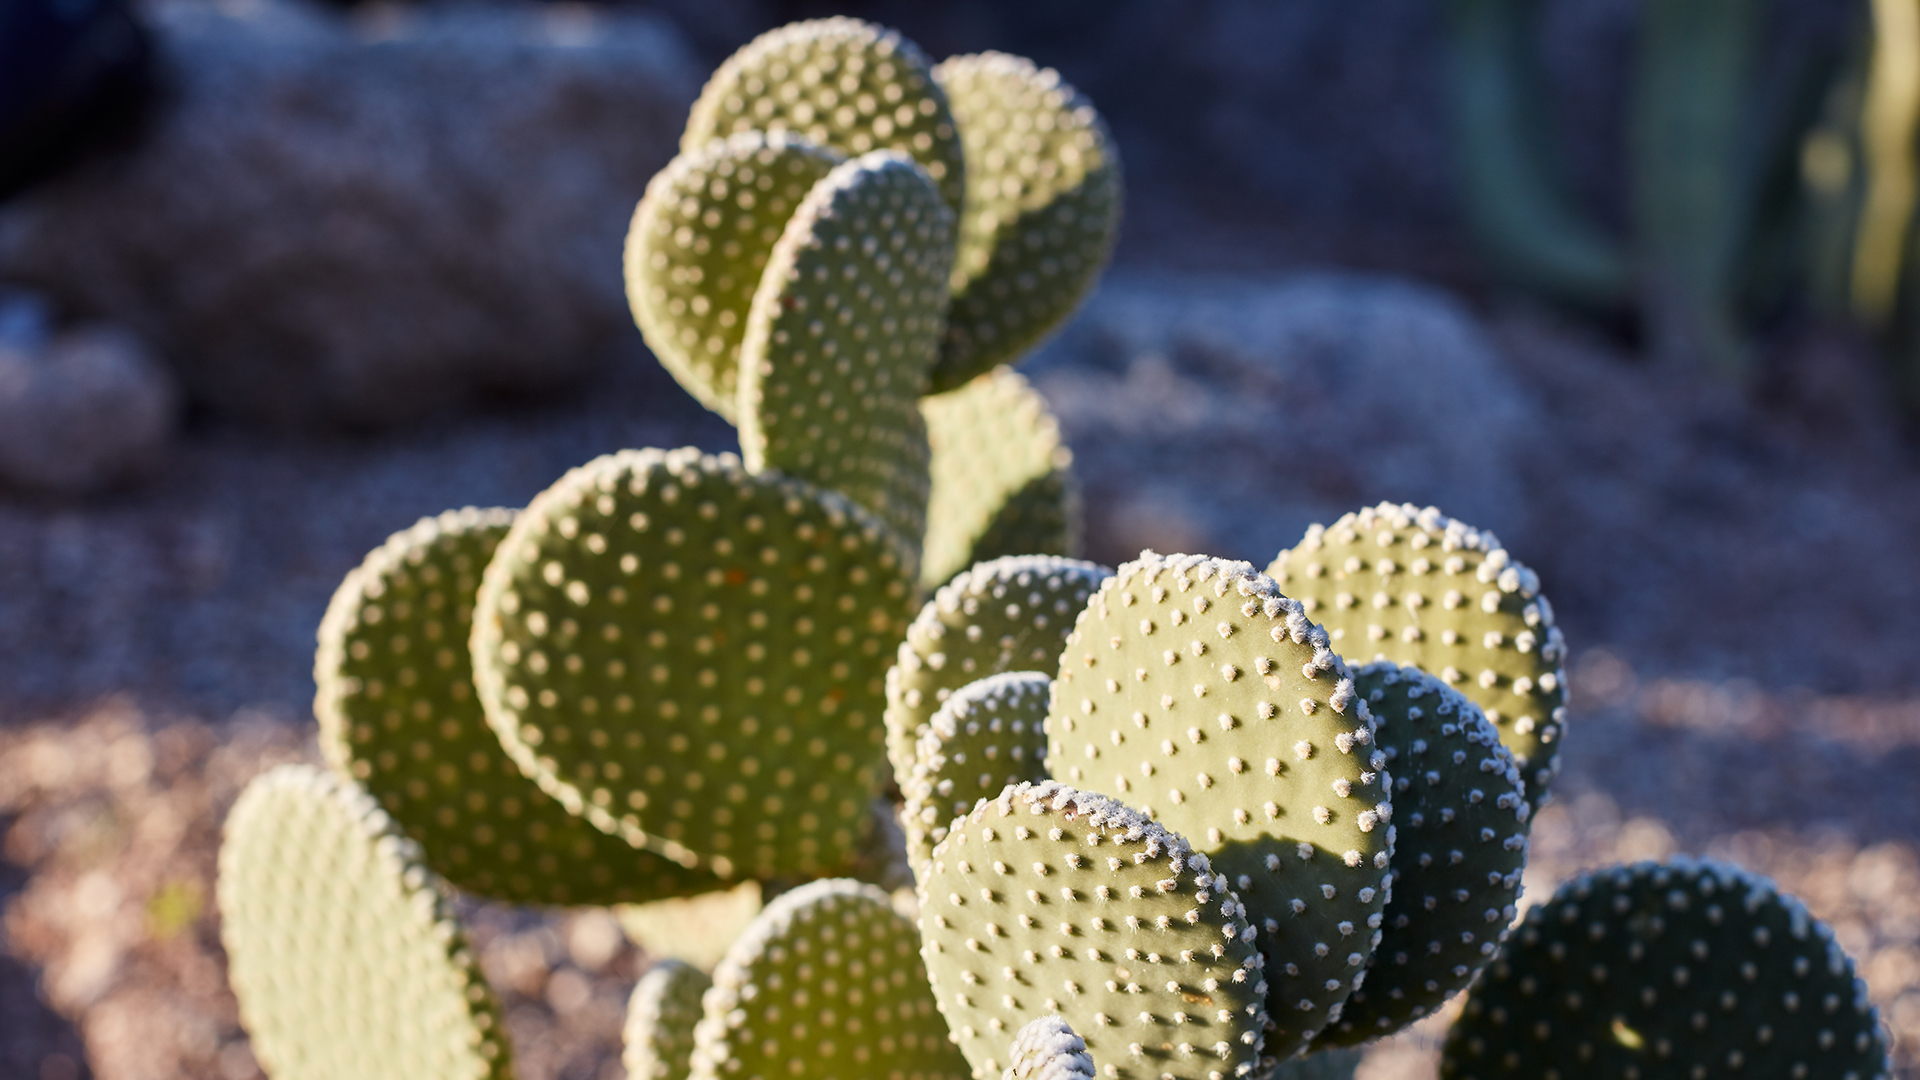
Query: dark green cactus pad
x=342 y=948
x=1043 y=208
x=1010 y=614
x=398 y=714
x=699 y=245
x=1002 y=480
x=1328 y=1064
x=841 y=334
x=825 y=983
x=693 y=656
x=1192 y=688
x=660 y=1019
x=1667 y=973
x=1416 y=587
x=989 y=735
x=1460 y=813
x=1047 y=1049
x=1055 y=901
x=839 y=83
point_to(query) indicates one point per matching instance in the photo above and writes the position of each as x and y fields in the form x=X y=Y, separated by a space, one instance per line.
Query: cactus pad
x=660 y=1019
x=1416 y=587
x=694 y=929
x=1010 y=614
x=989 y=735
x=1047 y=1049
x=1055 y=901
x=1460 y=812
x=839 y=83
x=698 y=247
x=1192 y=688
x=841 y=334
x=825 y=983
x=692 y=656
x=342 y=947
x=1043 y=207
x=1002 y=480
x=1690 y=969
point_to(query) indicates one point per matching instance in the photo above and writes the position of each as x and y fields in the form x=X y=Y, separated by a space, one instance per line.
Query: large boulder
x=359 y=219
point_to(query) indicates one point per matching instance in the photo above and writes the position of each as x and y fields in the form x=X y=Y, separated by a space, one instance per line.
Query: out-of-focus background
x=1631 y=284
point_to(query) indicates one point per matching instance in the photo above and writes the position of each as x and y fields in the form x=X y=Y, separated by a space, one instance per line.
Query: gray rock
x=339 y=221
x=1258 y=407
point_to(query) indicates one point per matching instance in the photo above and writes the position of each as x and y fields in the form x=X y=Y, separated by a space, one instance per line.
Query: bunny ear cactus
x=1047 y=1049
x=660 y=1019
x=988 y=736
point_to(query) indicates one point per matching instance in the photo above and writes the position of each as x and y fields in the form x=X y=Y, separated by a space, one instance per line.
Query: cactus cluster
x=1157 y=825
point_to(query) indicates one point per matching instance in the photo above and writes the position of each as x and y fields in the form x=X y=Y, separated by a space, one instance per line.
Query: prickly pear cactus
x=692 y=656
x=989 y=735
x=1056 y=901
x=1002 y=478
x=660 y=1019
x=694 y=929
x=1689 y=969
x=1042 y=210
x=1193 y=689
x=840 y=83
x=699 y=245
x=825 y=983
x=342 y=947
x=1416 y=587
x=1046 y=1048
x=1009 y=614
x=1460 y=813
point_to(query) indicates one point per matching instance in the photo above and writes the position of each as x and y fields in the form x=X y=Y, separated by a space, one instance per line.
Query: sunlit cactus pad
x=693 y=656
x=1047 y=1049
x=1002 y=479
x=660 y=1020
x=1460 y=813
x=1043 y=207
x=1055 y=901
x=699 y=245
x=342 y=948
x=1193 y=689
x=989 y=735
x=840 y=337
x=1668 y=972
x=826 y=983
x=839 y=83
x=694 y=929
x=1416 y=587
x=1008 y=614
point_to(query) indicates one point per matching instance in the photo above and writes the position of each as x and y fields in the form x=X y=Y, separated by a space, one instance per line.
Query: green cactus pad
x=342 y=948
x=1010 y=614
x=694 y=929
x=660 y=1019
x=1047 y=1049
x=1668 y=972
x=398 y=714
x=1460 y=813
x=840 y=83
x=842 y=331
x=1329 y=1064
x=699 y=245
x=1002 y=481
x=1416 y=587
x=693 y=656
x=1192 y=688
x=989 y=735
x=1043 y=208
x=1055 y=901
x=825 y=983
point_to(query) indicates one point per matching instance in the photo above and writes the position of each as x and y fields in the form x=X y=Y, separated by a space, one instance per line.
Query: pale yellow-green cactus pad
x=988 y=735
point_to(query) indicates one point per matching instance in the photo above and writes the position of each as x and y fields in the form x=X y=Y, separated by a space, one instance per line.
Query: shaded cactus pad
x=1416 y=587
x=660 y=1020
x=1002 y=479
x=825 y=983
x=988 y=736
x=1683 y=970
x=1042 y=211
x=342 y=948
x=1196 y=691
x=399 y=715
x=840 y=83
x=693 y=655
x=1047 y=1049
x=1055 y=901
x=1460 y=816
x=699 y=245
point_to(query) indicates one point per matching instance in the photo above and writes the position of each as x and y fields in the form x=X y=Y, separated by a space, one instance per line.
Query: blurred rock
x=361 y=220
